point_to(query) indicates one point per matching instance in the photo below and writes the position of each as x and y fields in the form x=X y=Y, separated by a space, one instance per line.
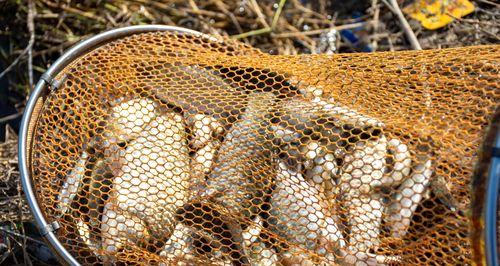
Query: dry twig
x=375 y=8
x=31 y=29
x=405 y=25
x=316 y=32
x=265 y=29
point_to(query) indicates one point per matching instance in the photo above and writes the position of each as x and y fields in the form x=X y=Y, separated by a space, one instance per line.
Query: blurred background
x=34 y=33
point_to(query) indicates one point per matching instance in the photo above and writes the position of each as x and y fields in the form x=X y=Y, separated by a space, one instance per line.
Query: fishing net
x=176 y=149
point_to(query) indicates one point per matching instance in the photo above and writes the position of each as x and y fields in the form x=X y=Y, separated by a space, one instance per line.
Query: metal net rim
x=45 y=227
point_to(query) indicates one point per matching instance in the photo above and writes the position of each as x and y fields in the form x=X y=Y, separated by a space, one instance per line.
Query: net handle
x=491 y=206
x=46 y=228
x=485 y=193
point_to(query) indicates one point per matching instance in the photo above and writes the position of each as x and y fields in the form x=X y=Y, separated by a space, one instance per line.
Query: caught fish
x=321 y=127
x=259 y=253
x=99 y=186
x=202 y=161
x=331 y=132
x=183 y=248
x=369 y=259
x=95 y=190
x=73 y=181
x=300 y=216
x=129 y=118
x=312 y=101
x=152 y=182
x=119 y=228
x=410 y=193
x=398 y=163
x=85 y=234
x=373 y=164
x=252 y=233
x=241 y=175
x=205 y=134
x=204 y=129
x=179 y=245
x=363 y=172
x=126 y=121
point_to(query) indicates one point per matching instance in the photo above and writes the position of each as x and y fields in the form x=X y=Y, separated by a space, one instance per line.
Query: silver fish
x=241 y=170
x=204 y=129
x=202 y=161
x=205 y=134
x=319 y=127
x=180 y=249
x=252 y=233
x=241 y=173
x=88 y=224
x=72 y=184
x=363 y=172
x=151 y=184
x=127 y=119
x=85 y=235
x=312 y=101
x=400 y=162
x=259 y=253
x=368 y=259
x=180 y=244
x=299 y=214
x=362 y=168
x=119 y=228
x=409 y=194
x=100 y=183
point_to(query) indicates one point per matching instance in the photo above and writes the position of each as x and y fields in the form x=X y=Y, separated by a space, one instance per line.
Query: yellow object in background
x=434 y=14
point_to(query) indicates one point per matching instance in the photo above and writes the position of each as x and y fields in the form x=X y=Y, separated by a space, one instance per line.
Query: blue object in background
x=352 y=36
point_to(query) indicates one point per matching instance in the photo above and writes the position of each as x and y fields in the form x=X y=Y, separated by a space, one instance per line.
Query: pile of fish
x=298 y=180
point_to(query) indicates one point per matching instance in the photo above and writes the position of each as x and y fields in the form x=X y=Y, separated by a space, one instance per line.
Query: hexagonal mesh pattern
x=164 y=148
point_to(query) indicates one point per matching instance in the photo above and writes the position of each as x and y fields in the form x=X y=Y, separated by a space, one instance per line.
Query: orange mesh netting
x=168 y=148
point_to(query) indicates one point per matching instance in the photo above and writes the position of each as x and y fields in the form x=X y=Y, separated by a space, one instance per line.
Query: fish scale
x=243 y=168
